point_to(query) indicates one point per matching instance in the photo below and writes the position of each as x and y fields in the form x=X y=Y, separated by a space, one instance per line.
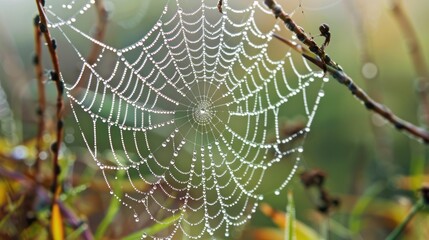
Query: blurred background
x=373 y=170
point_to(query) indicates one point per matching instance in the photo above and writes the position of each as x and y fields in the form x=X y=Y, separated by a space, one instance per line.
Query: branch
x=100 y=32
x=41 y=90
x=317 y=56
x=417 y=57
x=55 y=76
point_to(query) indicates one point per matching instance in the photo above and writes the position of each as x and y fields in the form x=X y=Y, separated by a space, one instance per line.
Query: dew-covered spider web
x=201 y=113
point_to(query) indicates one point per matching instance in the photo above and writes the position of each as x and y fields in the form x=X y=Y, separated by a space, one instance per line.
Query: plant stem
x=41 y=92
x=56 y=77
x=397 y=232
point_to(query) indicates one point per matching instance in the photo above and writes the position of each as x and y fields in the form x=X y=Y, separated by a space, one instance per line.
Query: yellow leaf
x=57 y=226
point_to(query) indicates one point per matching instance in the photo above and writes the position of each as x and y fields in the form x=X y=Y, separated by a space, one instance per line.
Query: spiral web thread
x=192 y=113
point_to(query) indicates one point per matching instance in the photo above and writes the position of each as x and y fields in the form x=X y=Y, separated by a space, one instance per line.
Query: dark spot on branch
x=314 y=49
x=277 y=9
x=60 y=124
x=425 y=193
x=399 y=126
x=369 y=105
x=54 y=76
x=57 y=170
x=42 y=27
x=54 y=44
x=301 y=37
x=39 y=111
x=290 y=24
x=219 y=6
x=61 y=87
x=352 y=88
x=36 y=20
x=54 y=147
x=35 y=59
x=42 y=2
x=327 y=58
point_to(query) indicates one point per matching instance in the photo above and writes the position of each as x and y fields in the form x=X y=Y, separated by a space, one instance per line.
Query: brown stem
x=359 y=93
x=417 y=57
x=55 y=76
x=382 y=140
x=41 y=90
x=99 y=33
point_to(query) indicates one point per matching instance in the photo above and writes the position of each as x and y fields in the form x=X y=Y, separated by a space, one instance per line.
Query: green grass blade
x=290 y=216
x=112 y=210
x=154 y=228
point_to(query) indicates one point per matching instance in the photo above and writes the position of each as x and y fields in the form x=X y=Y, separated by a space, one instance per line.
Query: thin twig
x=99 y=33
x=382 y=140
x=397 y=232
x=324 y=62
x=417 y=57
x=55 y=76
x=41 y=90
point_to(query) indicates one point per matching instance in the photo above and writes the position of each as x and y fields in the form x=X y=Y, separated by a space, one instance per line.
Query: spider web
x=196 y=114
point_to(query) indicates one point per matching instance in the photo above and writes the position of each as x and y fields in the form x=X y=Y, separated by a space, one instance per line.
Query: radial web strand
x=194 y=113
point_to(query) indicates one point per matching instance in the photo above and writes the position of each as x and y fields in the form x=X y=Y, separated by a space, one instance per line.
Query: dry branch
x=324 y=62
x=99 y=33
x=55 y=76
x=416 y=54
x=41 y=92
